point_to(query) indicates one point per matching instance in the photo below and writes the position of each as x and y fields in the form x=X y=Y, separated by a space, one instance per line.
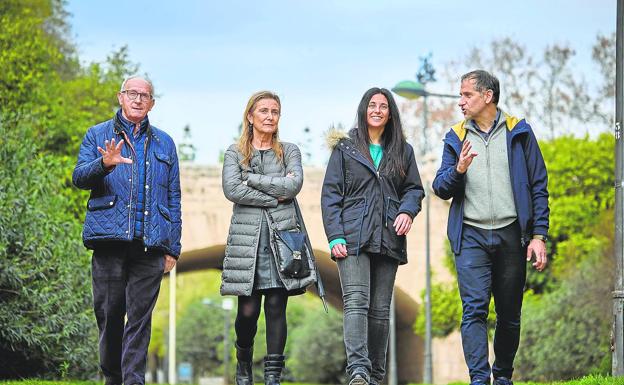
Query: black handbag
x=291 y=251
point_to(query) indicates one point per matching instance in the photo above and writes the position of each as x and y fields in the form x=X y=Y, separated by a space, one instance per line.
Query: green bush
x=200 y=337
x=317 y=352
x=566 y=333
x=45 y=311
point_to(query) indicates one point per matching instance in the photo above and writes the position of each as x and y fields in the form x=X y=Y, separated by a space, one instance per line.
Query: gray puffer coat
x=265 y=182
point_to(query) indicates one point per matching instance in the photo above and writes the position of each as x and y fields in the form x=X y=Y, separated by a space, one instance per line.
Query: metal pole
x=428 y=377
x=393 y=375
x=425 y=146
x=172 y=327
x=428 y=373
x=226 y=347
x=618 y=293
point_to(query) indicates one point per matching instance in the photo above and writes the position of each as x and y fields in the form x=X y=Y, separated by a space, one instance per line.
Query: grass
x=589 y=380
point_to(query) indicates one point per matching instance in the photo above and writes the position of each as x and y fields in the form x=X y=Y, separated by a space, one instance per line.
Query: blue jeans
x=126 y=282
x=491 y=262
x=367 y=282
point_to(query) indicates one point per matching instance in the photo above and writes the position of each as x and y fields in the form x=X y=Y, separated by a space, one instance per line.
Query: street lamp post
x=227 y=305
x=172 y=327
x=618 y=292
x=410 y=89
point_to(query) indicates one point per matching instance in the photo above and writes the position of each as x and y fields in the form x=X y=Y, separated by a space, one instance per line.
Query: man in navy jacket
x=493 y=170
x=133 y=225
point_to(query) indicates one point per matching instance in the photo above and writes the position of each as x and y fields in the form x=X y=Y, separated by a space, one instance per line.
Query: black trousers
x=126 y=282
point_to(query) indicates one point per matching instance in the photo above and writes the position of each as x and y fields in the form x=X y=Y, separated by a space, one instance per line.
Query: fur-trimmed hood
x=333 y=136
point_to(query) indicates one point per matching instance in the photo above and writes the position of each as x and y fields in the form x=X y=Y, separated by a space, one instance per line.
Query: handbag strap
x=319 y=281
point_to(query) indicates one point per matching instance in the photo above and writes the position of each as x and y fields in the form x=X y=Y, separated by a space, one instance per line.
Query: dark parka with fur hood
x=360 y=203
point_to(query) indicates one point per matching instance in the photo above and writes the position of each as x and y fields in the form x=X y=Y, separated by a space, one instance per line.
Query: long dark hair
x=392 y=139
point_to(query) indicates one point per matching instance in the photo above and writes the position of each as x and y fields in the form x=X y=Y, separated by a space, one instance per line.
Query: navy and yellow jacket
x=528 y=174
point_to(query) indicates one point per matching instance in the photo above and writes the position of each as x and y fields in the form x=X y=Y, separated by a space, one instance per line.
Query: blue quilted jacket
x=111 y=206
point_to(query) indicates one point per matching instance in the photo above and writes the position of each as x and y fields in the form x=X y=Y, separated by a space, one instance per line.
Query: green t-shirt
x=376 y=152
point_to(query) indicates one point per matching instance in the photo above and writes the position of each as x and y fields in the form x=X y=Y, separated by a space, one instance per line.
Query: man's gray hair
x=484 y=81
x=126 y=80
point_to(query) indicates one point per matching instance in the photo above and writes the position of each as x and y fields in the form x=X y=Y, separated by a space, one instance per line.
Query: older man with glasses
x=133 y=226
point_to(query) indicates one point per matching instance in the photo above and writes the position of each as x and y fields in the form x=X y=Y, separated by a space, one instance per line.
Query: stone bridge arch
x=206 y=218
x=409 y=346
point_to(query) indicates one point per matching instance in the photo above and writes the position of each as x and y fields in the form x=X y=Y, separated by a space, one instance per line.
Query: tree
x=200 y=337
x=603 y=54
x=47 y=323
x=581 y=194
x=546 y=90
x=47 y=101
x=566 y=333
x=565 y=97
x=316 y=351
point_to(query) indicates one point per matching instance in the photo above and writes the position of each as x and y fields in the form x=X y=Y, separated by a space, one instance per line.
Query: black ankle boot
x=244 y=360
x=273 y=365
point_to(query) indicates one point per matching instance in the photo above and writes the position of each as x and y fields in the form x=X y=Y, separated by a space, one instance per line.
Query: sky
x=207 y=57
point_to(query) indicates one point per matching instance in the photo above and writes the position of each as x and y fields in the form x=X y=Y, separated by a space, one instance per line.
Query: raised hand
x=111 y=157
x=465 y=157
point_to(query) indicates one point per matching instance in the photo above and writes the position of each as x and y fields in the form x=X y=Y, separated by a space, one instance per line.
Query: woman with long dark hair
x=371 y=194
x=261 y=176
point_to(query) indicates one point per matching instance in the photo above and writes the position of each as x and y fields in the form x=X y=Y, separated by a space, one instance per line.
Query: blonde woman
x=261 y=176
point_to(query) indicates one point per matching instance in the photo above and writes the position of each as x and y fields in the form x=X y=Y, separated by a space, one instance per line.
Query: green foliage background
x=314 y=340
x=47 y=102
x=565 y=324
x=48 y=99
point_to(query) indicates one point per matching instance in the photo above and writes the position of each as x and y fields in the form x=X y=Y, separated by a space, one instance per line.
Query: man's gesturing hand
x=465 y=157
x=112 y=155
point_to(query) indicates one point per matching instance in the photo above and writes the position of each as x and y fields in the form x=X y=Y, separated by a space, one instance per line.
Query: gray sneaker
x=359 y=377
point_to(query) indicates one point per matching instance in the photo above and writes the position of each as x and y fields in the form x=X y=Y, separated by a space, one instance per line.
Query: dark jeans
x=126 y=282
x=491 y=262
x=367 y=282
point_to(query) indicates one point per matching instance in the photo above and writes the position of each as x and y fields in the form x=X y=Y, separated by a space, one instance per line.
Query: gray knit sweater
x=489 y=198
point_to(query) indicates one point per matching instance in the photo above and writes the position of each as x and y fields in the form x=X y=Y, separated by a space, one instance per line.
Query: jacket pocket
x=164 y=212
x=102 y=203
x=160 y=172
x=392 y=208
x=353 y=209
x=164 y=158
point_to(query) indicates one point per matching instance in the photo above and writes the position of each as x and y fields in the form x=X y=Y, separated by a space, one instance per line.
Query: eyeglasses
x=132 y=95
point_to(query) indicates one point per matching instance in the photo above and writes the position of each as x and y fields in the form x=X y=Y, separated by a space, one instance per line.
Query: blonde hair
x=244 y=142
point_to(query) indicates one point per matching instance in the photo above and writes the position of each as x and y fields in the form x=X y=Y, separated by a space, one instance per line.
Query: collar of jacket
x=457 y=134
x=339 y=139
x=122 y=124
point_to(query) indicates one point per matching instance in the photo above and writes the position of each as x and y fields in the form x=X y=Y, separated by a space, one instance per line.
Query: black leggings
x=246 y=324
